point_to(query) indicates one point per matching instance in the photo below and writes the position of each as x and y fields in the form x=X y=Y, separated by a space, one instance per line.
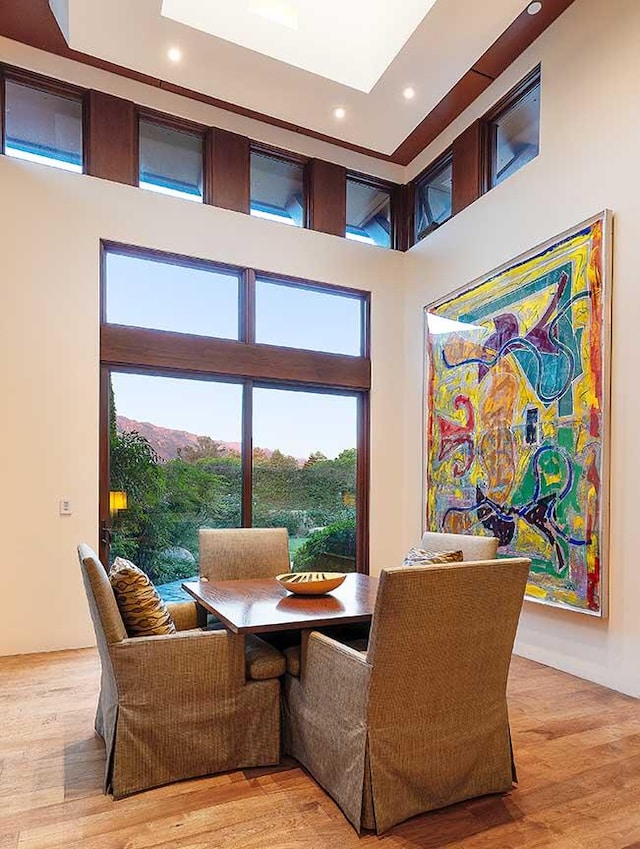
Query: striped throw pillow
x=420 y=557
x=143 y=612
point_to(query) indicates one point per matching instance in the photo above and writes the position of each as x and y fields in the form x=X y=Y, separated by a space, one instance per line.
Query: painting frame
x=605 y=218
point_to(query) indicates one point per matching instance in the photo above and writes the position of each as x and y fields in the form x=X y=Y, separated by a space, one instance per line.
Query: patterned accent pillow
x=143 y=612
x=420 y=557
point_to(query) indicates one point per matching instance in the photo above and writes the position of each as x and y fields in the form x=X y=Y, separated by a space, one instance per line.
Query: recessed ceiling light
x=409 y=93
x=534 y=8
x=174 y=54
x=339 y=112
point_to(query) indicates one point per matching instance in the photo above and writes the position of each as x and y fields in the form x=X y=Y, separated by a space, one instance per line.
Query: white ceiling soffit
x=353 y=39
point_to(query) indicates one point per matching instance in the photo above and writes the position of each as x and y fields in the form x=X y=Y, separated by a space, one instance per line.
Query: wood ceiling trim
x=515 y=40
x=452 y=104
x=32 y=22
x=502 y=53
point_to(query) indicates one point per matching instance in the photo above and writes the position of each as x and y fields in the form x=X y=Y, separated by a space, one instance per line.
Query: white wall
x=589 y=160
x=52 y=222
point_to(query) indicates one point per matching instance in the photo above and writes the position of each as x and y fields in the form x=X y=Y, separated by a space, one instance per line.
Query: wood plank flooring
x=577 y=747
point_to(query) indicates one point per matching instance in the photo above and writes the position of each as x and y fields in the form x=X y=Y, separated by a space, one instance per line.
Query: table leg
x=202 y=615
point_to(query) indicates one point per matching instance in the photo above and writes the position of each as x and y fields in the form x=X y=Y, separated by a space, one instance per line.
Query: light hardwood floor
x=577 y=748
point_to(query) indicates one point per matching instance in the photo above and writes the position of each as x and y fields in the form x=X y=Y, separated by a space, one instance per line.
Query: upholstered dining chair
x=179 y=705
x=229 y=554
x=419 y=720
x=472 y=546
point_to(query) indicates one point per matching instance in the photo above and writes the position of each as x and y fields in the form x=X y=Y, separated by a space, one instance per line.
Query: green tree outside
x=168 y=502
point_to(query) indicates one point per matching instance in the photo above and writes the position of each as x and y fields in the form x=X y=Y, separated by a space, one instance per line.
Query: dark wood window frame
x=172 y=122
x=394 y=201
x=424 y=177
x=279 y=153
x=39 y=83
x=3 y=97
x=510 y=101
x=155 y=352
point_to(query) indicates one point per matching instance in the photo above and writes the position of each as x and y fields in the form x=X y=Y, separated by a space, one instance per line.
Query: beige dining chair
x=418 y=721
x=472 y=546
x=229 y=554
x=179 y=705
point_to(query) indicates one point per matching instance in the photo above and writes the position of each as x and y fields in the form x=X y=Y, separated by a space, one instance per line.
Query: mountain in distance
x=165 y=441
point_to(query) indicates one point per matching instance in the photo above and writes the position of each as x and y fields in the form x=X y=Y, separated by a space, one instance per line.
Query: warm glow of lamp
x=117 y=501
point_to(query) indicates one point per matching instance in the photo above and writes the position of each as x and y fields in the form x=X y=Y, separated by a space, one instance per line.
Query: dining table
x=257 y=606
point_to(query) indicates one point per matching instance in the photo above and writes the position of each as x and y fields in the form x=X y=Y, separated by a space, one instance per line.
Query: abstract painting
x=517 y=410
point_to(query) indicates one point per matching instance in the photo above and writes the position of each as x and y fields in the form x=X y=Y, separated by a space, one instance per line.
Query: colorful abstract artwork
x=517 y=414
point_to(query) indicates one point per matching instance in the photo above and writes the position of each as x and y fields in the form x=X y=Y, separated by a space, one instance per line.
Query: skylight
x=350 y=43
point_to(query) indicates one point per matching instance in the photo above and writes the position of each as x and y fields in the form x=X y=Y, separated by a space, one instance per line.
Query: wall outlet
x=65 y=506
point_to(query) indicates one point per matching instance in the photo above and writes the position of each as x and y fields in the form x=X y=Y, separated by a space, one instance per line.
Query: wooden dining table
x=264 y=605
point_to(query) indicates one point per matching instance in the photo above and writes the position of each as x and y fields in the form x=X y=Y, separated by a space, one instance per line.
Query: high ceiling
x=320 y=47
x=447 y=51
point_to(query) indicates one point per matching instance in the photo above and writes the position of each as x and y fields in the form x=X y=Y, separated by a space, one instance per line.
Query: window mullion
x=247 y=454
x=362 y=483
x=104 y=463
x=248 y=308
x=3 y=85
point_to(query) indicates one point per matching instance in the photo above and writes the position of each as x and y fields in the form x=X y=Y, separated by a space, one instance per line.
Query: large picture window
x=174 y=459
x=203 y=431
x=308 y=483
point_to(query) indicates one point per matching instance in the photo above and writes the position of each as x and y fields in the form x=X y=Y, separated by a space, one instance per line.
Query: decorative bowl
x=311 y=583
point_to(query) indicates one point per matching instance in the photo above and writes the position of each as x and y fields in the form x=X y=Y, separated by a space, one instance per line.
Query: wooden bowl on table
x=311 y=583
